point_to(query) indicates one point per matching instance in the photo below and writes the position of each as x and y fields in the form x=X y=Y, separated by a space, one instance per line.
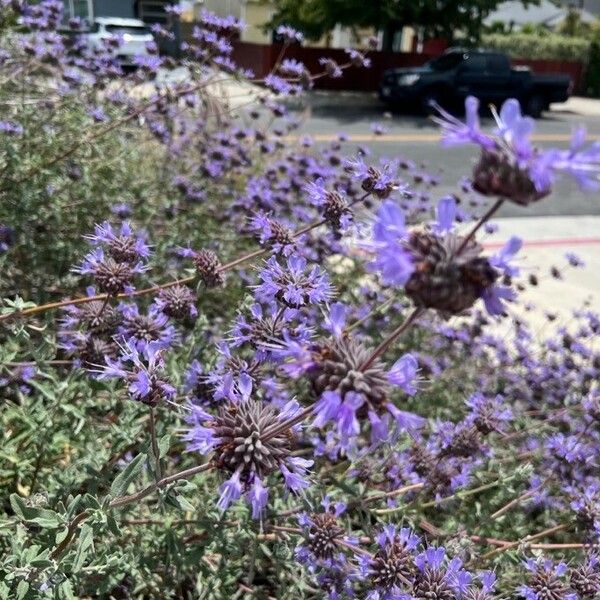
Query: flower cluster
x=249 y=440
x=115 y=259
x=439 y=268
x=510 y=167
x=140 y=367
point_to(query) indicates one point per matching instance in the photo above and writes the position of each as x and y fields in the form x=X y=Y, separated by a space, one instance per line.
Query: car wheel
x=535 y=106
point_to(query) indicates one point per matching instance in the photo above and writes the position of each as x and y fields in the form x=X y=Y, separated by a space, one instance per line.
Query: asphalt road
x=416 y=138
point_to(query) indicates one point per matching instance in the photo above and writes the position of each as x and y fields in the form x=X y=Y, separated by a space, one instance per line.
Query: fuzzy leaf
x=22 y=589
x=163 y=445
x=127 y=476
x=43 y=517
x=83 y=545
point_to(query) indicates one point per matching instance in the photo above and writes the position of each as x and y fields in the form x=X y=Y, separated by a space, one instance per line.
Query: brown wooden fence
x=260 y=58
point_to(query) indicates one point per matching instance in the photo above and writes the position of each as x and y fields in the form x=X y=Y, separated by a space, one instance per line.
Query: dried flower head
x=337 y=367
x=443 y=278
x=249 y=441
x=208 y=267
x=498 y=175
x=546 y=580
x=178 y=302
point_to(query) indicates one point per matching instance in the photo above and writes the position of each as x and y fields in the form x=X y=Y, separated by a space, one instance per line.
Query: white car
x=133 y=34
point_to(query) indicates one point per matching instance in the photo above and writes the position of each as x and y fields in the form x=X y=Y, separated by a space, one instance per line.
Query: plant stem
x=165 y=481
x=521 y=541
x=80 y=518
x=370 y=314
x=392 y=494
x=460 y=495
x=406 y=325
x=519 y=499
x=155 y=449
x=479 y=224
x=284 y=425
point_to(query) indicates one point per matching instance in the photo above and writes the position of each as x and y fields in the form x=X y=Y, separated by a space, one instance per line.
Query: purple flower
x=7 y=237
x=582 y=163
x=294 y=479
x=230 y=491
x=357 y=58
x=110 y=275
x=293 y=285
x=289 y=34
x=291 y=67
x=347 y=423
x=515 y=129
x=454 y=132
x=378 y=129
x=17 y=378
x=11 y=128
x=392 y=259
x=327 y=408
x=332 y=69
x=278 y=85
x=252 y=443
x=335 y=321
x=141 y=368
x=574 y=260
x=404 y=373
x=501 y=260
x=545 y=576
x=98 y=114
x=258 y=496
x=488 y=413
x=141 y=329
x=494 y=297
x=445 y=215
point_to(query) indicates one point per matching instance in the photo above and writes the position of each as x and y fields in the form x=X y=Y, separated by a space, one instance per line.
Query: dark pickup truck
x=449 y=78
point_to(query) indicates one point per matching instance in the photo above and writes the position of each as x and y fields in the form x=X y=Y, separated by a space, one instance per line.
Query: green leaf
x=66 y=589
x=127 y=476
x=92 y=501
x=184 y=503
x=112 y=525
x=4 y=591
x=86 y=539
x=163 y=445
x=43 y=517
x=22 y=589
x=42 y=563
x=61 y=535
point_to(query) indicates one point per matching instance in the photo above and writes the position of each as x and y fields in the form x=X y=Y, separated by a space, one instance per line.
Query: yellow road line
x=425 y=137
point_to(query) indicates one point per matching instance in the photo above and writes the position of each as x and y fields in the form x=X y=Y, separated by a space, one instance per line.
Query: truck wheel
x=535 y=106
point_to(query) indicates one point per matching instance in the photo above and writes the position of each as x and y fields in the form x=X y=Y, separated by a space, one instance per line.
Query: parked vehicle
x=134 y=35
x=449 y=78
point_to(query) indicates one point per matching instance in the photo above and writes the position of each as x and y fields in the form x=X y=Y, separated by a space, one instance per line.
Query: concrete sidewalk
x=578 y=105
x=546 y=240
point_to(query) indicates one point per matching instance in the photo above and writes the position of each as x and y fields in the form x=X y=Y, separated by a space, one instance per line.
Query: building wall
x=256 y=15
x=592 y=6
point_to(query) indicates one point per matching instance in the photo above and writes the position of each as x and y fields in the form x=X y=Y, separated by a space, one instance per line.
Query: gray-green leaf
x=128 y=475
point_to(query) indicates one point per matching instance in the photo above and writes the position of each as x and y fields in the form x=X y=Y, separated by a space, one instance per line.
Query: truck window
x=496 y=63
x=476 y=63
x=446 y=62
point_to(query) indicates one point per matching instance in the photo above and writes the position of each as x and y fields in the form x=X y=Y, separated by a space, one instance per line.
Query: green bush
x=592 y=84
x=550 y=46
